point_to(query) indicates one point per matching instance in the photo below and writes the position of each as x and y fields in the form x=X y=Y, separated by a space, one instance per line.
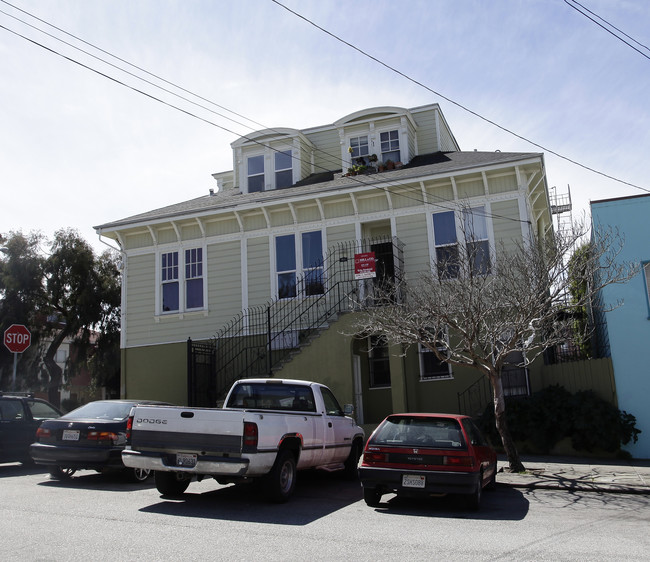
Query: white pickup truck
x=266 y=431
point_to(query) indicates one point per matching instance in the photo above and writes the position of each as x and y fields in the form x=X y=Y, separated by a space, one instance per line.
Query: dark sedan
x=20 y=416
x=427 y=454
x=90 y=437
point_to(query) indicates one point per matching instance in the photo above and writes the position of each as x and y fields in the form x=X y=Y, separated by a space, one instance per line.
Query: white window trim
x=181 y=280
x=247 y=156
x=400 y=138
x=300 y=268
x=421 y=351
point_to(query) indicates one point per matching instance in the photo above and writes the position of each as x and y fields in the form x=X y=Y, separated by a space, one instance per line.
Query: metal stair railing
x=261 y=338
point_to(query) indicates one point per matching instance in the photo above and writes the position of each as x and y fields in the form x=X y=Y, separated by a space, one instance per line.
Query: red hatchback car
x=427 y=454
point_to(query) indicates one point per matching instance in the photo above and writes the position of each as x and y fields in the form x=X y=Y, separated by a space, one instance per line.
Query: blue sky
x=78 y=150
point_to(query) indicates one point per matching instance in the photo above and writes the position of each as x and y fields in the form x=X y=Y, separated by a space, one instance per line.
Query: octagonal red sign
x=17 y=338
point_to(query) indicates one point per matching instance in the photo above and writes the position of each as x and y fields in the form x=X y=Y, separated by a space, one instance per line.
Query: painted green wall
x=157 y=372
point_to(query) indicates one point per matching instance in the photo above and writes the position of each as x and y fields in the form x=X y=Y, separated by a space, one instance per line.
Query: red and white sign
x=364 y=265
x=17 y=338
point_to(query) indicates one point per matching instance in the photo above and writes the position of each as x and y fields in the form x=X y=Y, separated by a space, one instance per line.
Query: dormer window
x=255 y=173
x=283 y=169
x=359 y=146
x=390 y=146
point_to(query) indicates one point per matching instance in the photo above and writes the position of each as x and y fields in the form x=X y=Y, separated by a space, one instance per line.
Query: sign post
x=17 y=338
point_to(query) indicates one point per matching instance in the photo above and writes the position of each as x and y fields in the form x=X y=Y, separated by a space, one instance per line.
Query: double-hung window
x=359 y=146
x=169 y=279
x=299 y=264
x=446 y=244
x=283 y=169
x=432 y=368
x=476 y=240
x=379 y=358
x=255 y=170
x=389 y=146
x=182 y=284
x=194 y=278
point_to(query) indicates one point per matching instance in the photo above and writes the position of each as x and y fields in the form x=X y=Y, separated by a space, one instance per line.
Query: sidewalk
x=578 y=474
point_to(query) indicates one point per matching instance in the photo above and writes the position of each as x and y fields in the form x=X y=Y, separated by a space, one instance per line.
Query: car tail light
x=372 y=457
x=102 y=436
x=250 y=434
x=129 y=427
x=42 y=432
x=458 y=461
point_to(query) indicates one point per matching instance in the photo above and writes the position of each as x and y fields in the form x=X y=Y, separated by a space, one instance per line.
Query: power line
x=333 y=159
x=457 y=104
x=580 y=11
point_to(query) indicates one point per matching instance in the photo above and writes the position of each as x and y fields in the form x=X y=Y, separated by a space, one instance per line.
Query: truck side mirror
x=348 y=410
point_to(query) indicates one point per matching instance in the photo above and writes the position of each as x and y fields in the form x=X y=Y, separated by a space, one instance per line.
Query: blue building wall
x=629 y=324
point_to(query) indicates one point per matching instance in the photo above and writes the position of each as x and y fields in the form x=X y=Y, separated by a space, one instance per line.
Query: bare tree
x=478 y=304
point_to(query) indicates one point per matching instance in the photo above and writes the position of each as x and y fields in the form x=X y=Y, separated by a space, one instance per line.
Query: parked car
x=427 y=454
x=90 y=437
x=20 y=416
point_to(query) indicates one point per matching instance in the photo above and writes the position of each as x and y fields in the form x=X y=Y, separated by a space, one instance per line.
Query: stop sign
x=17 y=338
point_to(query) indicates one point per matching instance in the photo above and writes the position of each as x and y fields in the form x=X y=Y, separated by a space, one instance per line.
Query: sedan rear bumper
x=435 y=482
x=76 y=457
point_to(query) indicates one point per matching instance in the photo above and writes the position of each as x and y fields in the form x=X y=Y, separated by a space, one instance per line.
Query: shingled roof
x=438 y=163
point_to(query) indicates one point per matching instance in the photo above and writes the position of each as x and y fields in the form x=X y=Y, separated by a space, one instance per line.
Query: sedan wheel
x=140 y=474
x=60 y=473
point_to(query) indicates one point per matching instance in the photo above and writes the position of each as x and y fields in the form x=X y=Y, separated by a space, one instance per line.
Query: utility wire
x=457 y=104
x=580 y=11
x=333 y=159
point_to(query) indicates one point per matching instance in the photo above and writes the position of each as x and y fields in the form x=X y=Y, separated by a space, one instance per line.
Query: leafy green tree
x=68 y=295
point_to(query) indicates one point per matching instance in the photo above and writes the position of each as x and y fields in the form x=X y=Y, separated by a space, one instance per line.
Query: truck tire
x=351 y=463
x=171 y=483
x=281 y=481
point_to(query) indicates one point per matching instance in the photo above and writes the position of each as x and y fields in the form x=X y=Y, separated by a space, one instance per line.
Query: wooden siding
x=339 y=234
x=221 y=227
x=507 y=227
x=137 y=240
x=258 y=268
x=166 y=235
x=327 y=156
x=469 y=187
x=224 y=286
x=280 y=217
x=409 y=196
x=191 y=232
x=502 y=183
x=140 y=297
x=412 y=231
x=338 y=208
x=373 y=203
x=254 y=221
x=307 y=213
x=439 y=191
x=427 y=136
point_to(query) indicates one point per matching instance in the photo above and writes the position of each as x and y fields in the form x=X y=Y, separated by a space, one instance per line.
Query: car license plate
x=413 y=481
x=185 y=459
x=70 y=435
